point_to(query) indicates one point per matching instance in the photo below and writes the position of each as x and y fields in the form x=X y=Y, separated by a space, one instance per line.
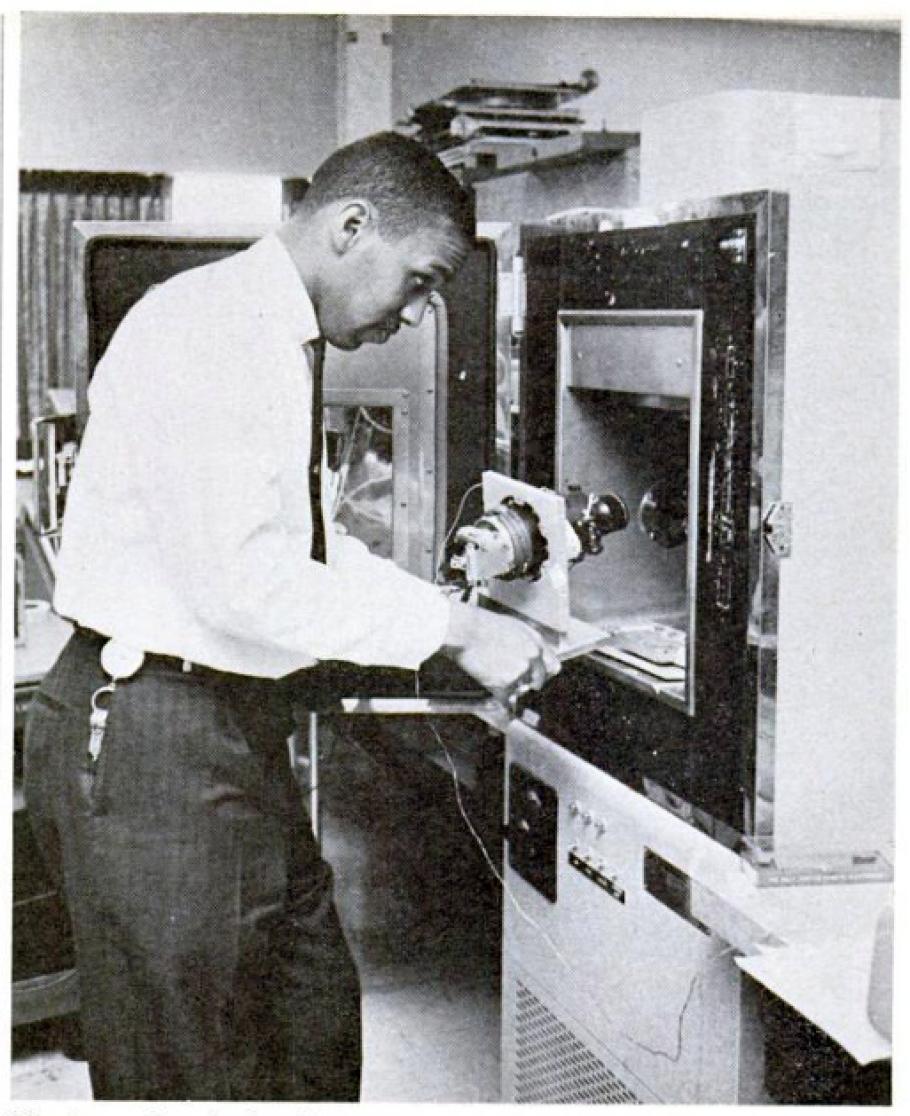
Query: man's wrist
x=462 y=619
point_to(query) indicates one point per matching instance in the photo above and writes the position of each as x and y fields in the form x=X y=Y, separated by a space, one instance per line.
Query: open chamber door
x=653 y=368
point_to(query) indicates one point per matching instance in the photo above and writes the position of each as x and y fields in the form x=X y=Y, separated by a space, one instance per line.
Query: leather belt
x=173 y=664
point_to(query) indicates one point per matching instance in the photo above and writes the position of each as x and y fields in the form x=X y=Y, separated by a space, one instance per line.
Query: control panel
x=586 y=852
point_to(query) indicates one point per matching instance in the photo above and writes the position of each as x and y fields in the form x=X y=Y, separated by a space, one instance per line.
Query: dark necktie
x=315 y=471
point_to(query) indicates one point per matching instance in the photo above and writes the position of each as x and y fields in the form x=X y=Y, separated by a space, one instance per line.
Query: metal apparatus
x=653 y=361
x=508 y=541
x=733 y=730
x=503 y=111
x=519 y=553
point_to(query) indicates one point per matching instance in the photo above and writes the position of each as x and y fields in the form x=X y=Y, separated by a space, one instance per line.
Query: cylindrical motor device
x=507 y=542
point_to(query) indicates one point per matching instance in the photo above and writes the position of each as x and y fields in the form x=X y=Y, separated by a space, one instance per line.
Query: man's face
x=380 y=284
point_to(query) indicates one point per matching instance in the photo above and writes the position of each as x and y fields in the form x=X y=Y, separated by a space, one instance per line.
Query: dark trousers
x=212 y=964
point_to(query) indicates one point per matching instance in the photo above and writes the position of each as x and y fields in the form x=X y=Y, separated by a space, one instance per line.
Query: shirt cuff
x=404 y=620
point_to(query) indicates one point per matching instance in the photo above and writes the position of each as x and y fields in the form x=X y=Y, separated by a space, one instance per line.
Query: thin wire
x=479 y=840
x=455 y=521
x=671 y=1056
x=370 y=482
x=375 y=423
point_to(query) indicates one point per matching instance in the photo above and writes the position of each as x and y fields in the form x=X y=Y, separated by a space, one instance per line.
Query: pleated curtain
x=51 y=349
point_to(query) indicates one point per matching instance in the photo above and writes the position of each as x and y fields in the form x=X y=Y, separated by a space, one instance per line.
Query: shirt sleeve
x=220 y=445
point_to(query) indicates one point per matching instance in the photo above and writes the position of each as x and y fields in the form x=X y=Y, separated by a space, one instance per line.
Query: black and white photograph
x=450 y=555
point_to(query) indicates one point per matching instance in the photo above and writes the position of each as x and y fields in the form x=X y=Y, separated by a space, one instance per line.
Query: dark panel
x=42 y=941
x=533 y=816
x=803 y=1065
x=670 y=886
x=119 y=270
x=471 y=308
x=92 y=182
x=542 y=250
x=708 y=265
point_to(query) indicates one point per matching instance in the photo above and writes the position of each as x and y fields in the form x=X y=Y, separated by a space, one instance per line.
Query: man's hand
x=503 y=654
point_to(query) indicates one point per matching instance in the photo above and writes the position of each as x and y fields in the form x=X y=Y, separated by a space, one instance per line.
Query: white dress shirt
x=188 y=526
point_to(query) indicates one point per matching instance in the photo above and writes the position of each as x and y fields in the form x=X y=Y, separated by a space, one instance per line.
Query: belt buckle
x=120 y=660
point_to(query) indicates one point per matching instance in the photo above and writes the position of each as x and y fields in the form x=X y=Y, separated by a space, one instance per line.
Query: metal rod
x=315 y=802
x=487 y=709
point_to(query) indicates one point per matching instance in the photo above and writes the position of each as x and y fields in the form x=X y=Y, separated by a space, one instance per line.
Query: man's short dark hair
x=407 y=184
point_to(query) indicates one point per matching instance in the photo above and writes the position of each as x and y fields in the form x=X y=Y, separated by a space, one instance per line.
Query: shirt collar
x=287 y=298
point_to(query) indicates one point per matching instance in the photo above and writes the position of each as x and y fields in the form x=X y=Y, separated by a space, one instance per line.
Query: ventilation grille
x=553 y=1066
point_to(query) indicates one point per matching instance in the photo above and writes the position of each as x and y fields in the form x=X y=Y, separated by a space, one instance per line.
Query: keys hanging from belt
x=98 y=721
x=119 y=661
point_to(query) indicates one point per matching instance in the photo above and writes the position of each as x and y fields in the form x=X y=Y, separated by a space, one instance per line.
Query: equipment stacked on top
x=484 y=125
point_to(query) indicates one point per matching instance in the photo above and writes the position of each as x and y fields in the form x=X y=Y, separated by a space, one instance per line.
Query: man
x=207 y=597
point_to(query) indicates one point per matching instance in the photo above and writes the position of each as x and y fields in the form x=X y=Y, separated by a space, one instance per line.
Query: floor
x=421 y=911
x=428 y=1036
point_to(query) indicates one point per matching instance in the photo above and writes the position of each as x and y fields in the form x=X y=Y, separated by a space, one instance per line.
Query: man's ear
x=350 y=222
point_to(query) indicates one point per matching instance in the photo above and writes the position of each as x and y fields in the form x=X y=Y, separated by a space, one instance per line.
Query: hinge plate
x=778 y=529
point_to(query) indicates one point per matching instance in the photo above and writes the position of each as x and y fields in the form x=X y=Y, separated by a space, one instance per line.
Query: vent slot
x=553 y=1066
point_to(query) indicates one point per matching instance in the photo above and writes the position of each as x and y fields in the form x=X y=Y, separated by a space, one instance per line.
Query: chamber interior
x=628 y=423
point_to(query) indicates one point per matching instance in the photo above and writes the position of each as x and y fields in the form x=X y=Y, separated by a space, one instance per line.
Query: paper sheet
x=827 y=983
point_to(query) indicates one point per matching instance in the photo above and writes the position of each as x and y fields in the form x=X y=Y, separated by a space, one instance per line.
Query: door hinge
x=778 y=529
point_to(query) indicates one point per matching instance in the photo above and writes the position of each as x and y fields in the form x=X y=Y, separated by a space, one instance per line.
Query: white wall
x=833 y=765
x=642 y=63
x=230 y=93
x=257 y=93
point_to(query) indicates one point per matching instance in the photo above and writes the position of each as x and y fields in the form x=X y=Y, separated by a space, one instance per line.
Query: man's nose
x=412 y=312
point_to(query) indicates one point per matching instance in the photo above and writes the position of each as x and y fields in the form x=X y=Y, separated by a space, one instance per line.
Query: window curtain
x=51 y=349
